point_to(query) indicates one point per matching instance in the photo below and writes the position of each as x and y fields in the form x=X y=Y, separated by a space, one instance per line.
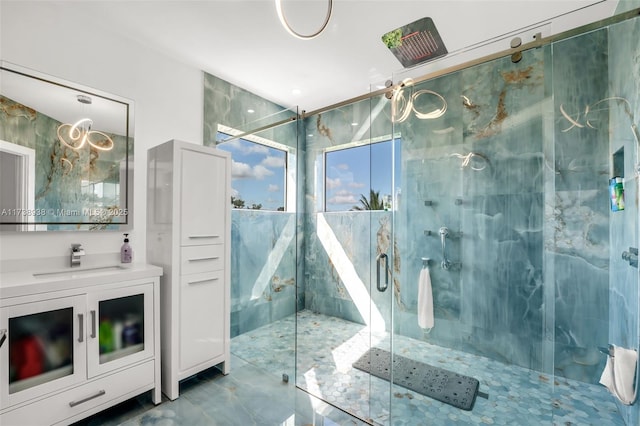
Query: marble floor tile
x=246 y=397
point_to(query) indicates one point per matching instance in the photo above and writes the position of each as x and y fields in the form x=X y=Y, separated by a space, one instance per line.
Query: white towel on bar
x=621 y=367
x=425 y=300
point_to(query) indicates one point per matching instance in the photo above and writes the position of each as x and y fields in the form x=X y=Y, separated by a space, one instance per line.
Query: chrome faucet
x=76 y=254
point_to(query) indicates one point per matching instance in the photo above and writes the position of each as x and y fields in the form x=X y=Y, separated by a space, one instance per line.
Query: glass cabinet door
x=43 y=348
x=120 y=327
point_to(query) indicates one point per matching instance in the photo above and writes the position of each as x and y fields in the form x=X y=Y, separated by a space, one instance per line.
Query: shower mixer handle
x=444 y=233
x=631 y=256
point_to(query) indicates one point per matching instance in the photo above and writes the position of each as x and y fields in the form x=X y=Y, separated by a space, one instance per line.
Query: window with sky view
x=353 y=172
x=257 y=174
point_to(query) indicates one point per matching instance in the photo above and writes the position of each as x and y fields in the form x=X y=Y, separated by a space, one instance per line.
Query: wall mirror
x=66 y=155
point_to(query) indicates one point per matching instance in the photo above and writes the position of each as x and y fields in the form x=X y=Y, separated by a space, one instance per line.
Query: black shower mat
x=443 y=385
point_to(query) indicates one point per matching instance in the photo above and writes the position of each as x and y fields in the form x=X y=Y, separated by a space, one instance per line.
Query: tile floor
x=246 y=397
x=254 y=393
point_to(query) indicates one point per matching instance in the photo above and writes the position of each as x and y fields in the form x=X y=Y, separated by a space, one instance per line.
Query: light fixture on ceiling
x=285 y=23
x=76 y=135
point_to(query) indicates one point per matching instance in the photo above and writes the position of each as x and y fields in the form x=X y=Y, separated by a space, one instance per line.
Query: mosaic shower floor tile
x=327 y=347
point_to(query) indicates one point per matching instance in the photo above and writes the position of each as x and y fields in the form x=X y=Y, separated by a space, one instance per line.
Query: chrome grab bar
x=444 y=233
x=386 y=272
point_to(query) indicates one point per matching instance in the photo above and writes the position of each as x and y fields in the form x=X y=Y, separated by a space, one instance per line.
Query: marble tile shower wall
x=229 y=105
x=263 y=279
x=356 y=232
x=264 y=263
x=624 y=61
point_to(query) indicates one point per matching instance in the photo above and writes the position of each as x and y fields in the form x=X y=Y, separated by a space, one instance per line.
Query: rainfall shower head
x=415 y=43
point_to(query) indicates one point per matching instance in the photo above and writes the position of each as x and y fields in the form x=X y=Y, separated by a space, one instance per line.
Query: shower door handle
x=386 y=272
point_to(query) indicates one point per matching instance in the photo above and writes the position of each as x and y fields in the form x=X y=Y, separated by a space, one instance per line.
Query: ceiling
x=243 y=42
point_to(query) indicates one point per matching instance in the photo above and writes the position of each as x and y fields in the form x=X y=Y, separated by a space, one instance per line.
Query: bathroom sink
x=80 y=272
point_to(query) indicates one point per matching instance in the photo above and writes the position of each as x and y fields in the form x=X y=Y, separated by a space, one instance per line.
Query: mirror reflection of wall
x=80 y=155
x=17 y=184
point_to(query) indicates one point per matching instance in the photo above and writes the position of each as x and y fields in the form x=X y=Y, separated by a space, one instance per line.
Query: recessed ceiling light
x=250 y=111
x=354 y=124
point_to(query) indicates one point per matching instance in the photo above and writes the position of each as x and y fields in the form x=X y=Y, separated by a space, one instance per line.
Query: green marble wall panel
x=624 y=299
x=264 y=244
x=263 y=278
x=229 y=105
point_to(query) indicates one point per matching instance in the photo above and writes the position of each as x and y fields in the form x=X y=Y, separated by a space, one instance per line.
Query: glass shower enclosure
x=479 y=269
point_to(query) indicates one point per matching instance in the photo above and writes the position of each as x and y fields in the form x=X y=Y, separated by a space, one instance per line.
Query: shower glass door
x=470 y=312
x=348 y=272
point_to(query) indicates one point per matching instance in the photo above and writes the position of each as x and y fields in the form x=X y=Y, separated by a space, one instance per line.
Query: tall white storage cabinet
x=188 y=234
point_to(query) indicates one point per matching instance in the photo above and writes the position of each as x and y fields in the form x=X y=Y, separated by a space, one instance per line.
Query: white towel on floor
x=619 y=372
x=425 y=300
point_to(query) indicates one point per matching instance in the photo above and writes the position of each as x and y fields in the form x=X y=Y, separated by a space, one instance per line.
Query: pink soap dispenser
x=126 y=253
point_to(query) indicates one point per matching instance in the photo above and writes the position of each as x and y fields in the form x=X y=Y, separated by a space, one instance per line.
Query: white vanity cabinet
x=74 y=344
x=188 y=234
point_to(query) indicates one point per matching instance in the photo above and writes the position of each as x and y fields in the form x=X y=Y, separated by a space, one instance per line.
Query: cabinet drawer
x=84 y=398
x=197 y=259
x=202 y=313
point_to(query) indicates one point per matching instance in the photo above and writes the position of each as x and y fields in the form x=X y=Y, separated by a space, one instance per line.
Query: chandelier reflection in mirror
x=76 y=135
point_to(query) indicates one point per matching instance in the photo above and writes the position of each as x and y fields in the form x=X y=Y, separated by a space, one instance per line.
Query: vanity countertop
x=34 y=281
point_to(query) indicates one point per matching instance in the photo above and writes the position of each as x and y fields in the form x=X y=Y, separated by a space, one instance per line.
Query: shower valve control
x=631 y=256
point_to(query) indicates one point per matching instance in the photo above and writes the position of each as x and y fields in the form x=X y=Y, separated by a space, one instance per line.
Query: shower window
x=360 y=176
x=258 y=172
